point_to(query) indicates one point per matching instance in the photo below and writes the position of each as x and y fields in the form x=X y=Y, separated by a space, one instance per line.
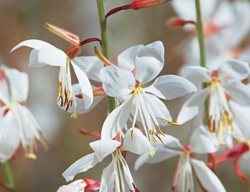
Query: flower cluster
x=138 y=119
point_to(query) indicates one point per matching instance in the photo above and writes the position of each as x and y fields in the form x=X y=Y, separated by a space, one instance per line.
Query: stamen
x=31 y=156
x=103 y=59
x=169 y=122
x=59 y=92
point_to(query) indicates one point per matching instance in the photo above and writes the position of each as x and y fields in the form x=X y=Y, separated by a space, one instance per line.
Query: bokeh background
x=24 y=19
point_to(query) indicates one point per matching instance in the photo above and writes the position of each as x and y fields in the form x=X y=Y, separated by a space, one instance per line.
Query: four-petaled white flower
x=117 y=172
x=17 y=124
x=222 y=86
x=137 y=66
x=200 y=143
x=46 y=54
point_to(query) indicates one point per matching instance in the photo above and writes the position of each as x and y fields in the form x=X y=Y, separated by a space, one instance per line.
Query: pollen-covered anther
x=169 y=122
x=211 y=125
x=31 y=156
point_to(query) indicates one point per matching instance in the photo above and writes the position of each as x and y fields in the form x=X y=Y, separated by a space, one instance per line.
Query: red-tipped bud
x=179 y=22
x=64 y=34
x=140 y=4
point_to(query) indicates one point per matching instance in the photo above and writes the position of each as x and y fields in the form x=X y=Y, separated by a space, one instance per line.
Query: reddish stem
x=117 y=9
x=90 y=40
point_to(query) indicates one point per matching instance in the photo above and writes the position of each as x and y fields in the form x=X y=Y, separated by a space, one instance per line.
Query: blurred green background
x=24 y=19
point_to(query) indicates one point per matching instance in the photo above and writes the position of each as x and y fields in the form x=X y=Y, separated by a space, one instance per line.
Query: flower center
x=137 y=89
x=215 y=81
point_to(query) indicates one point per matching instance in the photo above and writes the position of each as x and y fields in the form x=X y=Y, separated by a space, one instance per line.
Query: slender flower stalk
x=104 y=40
x=9 y=176
x=105 y=51
x=199 y=28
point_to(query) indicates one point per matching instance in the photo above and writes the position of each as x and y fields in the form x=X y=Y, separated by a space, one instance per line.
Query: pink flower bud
x=139 y=4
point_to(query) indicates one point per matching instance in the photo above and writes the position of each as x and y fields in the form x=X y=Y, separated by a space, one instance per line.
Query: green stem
x=9 y=176
x=199 y=28
x=105 y=46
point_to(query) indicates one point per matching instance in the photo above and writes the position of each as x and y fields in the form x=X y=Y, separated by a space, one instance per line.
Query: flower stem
x=199 y=29
x=9 y=176
x=105 y=46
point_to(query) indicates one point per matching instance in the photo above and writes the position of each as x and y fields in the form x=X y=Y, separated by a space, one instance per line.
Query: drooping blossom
x=200 y=143
x=17 y=124
x=44 y=53
x=222 y=85
x=128 y=82
x=117 y=174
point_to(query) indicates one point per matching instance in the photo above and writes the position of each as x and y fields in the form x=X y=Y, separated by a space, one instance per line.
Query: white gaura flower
x=117 y=173
x=43 y=54
x=17 y=124
x=222 y=85
x=81 y=185
x=200 y=143
x=137 y=66
x=224 y=33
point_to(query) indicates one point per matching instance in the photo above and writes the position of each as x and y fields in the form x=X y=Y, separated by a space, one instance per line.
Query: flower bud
x=139 y=4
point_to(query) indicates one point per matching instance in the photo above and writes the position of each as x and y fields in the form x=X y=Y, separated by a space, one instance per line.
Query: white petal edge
x=207 y=178
x=170 y=87
x=81 y=165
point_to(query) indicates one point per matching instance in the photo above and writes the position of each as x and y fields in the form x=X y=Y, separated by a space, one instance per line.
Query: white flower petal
x=203 y=142
x=85 y=86
x=108 y=178
x=9 y=136
x=19 y=85
x=91 y=66
x=239 y=92
x=33 y=59
x=136 y=142
x=207 y=178
x=28 y=125
x=241 y=116
x=75 y=186
x=192 y=106
x=170 y=87
x=197 y=74
x=149 y=62
x=233 y=70
x=161 y=154
x=32 y=43
x=126 y=59
x=50 y=55
x=117 y=82
x=158 y=108
x=116 y=120
x=81 y=165
x=104 y=147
